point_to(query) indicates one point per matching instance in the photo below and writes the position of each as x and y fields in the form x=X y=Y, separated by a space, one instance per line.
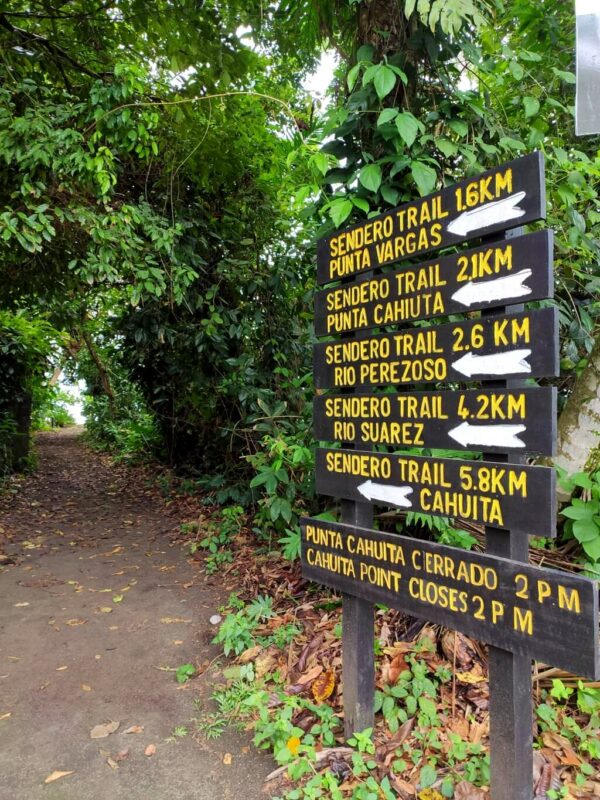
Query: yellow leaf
x=323 y=686
x=85 y=687
x=6 y=716
x=57 y=774
x=227 y=759
x=293 y=744
x=430 y=794
x=469 y=677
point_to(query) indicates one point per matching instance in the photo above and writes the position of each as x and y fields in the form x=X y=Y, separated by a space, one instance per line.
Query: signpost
x=508 y=271
x=499 y=495
x=492 y=347
x=522 y=420
x=522 y=612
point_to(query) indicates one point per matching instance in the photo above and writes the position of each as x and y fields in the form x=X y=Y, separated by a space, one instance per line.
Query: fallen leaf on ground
x=112 y=763
x=466 y=791
x=60 y=669
x=171 y=620
x=150 y=750
x=430 y=794
x=250 y=654
x=104 y=610
x=21 y=605
x=397 y=666
x=6 y=716
x=122 y=755
x=135 y=729
x=323 y=686
x=469 y=677
x=85 y=687
x=227 y=759
x=58 y=774
x=309 y=676
x=117 y=598
x=74 y=622
x=105 y=729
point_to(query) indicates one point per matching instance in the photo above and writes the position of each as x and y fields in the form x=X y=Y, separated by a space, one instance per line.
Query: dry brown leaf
x=104 y=610
x=323 y=686
x=150 y=750
x=122 y=755
x=85 y=687
x=465 y=649
x=264 y=663
x=250 y=654
x=103 y=730
x=135 y=729
x=57 y=774
x=570 y=758
x=227 y=759
x=466 y=791
x=6 y=715
x=396 y=668
x=309 y=676
x=74 y=622
x=112 y=763
x=61 y=669
x=172 y=620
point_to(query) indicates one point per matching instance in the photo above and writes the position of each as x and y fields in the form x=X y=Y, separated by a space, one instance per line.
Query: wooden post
x=358 y=641
x=511 y=695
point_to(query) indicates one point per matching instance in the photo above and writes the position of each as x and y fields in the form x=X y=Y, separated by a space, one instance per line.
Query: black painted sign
x=495 y=494
x=510 y=195
x=515 y=270
x=545 y=614
x=518 y=420
x=495 y=347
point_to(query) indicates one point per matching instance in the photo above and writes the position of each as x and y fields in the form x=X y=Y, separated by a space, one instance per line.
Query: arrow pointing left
x=391 y=495
x=488 y=435
x=505 y=288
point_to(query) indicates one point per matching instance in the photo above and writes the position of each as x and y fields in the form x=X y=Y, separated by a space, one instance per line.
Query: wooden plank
x=520 y=420
x=502 y=496
x=544 y=614
x=509 y=195
x=515 y=345
x=519 y=268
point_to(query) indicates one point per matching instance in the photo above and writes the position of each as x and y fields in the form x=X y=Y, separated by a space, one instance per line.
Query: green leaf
x=361 y=203
x=409 y=7
x=370 y=177
x=427 y=776
x=508 y=143
x=592 y=548
x=384 y=81
x=387 y=115
x=567 y=77
x=408 y=127
x=459 y=127
x=424 y=176
x=446 y=147
x=321 y=162
x=532 y=106
x=340 y=210
x=365 y=53
x=352 y=76
x=516 y=70
x=390 y=195
x=586 y=530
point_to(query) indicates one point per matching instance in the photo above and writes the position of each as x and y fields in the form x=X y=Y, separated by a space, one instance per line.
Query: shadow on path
x=91 y=614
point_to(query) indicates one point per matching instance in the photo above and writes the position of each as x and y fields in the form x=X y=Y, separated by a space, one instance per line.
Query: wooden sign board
x=547 y=615
x=510 y=195
x=511 y=271
x=518 y=420
x=498 y=495
x=507 y=346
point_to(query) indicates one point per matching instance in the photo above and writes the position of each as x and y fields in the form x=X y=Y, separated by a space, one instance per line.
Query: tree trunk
x=21 y=412
x=102 y=371
x=579 y=424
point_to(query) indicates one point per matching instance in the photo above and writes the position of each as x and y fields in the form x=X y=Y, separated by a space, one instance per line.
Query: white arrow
x=513 y=361
x=508 y=286
x=391 y=495
x=487 y=215
x=488 y=435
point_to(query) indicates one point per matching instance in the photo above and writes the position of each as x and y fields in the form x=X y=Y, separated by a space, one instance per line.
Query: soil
x=98 y=608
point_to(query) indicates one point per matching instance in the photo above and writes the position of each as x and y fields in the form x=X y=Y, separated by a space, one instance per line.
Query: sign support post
x=358 y=635
x=509 y=674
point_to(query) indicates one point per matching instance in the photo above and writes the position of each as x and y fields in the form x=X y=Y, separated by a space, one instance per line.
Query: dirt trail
x=91 y=614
